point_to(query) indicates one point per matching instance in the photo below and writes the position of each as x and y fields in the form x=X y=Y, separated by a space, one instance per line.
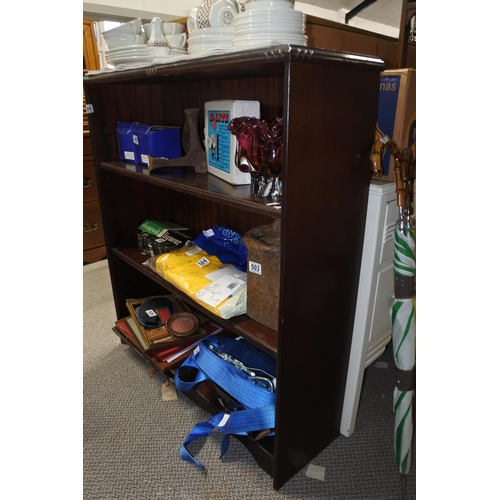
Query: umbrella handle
x=376 y=153
x=381 y=142
x=398 y=171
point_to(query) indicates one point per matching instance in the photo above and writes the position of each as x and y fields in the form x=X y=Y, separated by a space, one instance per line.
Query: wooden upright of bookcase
x=329 y=103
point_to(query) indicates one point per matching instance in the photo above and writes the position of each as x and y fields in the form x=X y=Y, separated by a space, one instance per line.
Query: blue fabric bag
x=226 y=244
x=220 y=359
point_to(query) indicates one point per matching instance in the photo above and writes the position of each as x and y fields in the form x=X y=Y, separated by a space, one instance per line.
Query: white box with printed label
x=220 y=144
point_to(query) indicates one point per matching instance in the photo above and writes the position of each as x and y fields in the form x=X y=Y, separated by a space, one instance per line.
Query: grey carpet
x=132 y=438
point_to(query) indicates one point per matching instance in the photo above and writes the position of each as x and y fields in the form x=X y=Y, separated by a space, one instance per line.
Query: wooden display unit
x=329 y=103
x=93 y=235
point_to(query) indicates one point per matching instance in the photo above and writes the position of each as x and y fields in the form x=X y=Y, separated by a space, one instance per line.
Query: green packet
x=160 y=229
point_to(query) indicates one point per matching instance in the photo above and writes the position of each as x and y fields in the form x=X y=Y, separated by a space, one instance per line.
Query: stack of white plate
x=127 y=54
x=209 y=39
x=263 y=26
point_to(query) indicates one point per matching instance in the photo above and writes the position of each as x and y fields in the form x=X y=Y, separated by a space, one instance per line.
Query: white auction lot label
x=254 y=267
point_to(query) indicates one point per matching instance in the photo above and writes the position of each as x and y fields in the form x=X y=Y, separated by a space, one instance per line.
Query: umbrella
x=403 y=313
x=403 y=308
x=403 y=339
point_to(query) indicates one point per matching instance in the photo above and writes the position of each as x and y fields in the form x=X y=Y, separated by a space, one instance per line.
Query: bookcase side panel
x=330 y=125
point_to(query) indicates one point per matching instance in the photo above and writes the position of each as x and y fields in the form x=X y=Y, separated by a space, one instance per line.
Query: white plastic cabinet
x=372 y=324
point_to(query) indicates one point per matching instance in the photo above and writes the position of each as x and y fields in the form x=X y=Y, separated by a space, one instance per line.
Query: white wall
x=174 y=9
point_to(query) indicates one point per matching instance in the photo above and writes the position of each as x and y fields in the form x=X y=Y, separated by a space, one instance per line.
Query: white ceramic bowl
x=173 y=28
x=168 y=29
x=114 y=40
x=269 y=5
x=132 y=27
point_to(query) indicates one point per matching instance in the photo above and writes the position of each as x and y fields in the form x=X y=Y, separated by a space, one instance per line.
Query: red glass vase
x=259 y=151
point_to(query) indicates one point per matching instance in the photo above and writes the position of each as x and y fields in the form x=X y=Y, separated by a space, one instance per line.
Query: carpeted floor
x=132 y=437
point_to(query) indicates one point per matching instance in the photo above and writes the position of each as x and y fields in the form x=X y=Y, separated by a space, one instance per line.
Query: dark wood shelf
x=206 y=186
x=328 y=101
x=251 y=63
x=255 y=332
x=209 y=397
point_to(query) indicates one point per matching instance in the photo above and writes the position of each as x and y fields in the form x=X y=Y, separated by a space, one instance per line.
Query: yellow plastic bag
x=220 y=288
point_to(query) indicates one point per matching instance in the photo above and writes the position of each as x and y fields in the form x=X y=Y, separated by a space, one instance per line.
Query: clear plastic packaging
x=220 y=288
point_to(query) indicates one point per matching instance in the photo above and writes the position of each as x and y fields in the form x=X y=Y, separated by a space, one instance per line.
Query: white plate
x=228 y=31
x=128 y=60
x=263 y=31
x=209 y=52
x=248 y=41
x=206 y=46
x=112 y=57
x=267 y=20
x=127 y=53
x=271 y=24
x=299 y=27
x=149 y=52
x=210 y=44
x=210 y=39
x=222 y=14
x=177 y=51
x=273 y=15
x=203 y=15
x=125 y=48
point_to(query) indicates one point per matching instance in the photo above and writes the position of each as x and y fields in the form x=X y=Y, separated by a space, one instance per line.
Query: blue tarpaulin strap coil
x=258 y=402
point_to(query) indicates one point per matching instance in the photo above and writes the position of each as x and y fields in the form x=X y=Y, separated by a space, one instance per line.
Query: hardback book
x=170 y=354
x=125 y=329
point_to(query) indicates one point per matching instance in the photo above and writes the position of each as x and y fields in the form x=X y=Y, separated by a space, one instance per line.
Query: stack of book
x=166 y=350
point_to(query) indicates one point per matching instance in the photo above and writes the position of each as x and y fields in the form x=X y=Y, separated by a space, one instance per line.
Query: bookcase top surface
x=265 y=60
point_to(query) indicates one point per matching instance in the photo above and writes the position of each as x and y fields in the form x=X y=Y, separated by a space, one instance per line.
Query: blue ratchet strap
x=259 y=402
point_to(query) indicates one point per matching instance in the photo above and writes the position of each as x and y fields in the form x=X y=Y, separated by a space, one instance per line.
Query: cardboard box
x=220 y=144
x=137 y=140
x=397 y=114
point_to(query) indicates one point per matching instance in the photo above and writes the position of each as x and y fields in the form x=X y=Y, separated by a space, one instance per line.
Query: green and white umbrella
x=403 y=340
x=403 y=313
x=403 y=309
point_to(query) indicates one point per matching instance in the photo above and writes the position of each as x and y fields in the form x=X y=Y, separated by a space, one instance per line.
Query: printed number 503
x=254 y=267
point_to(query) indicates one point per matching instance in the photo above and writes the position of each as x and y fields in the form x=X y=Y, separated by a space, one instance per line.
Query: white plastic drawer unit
x=372 y=324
